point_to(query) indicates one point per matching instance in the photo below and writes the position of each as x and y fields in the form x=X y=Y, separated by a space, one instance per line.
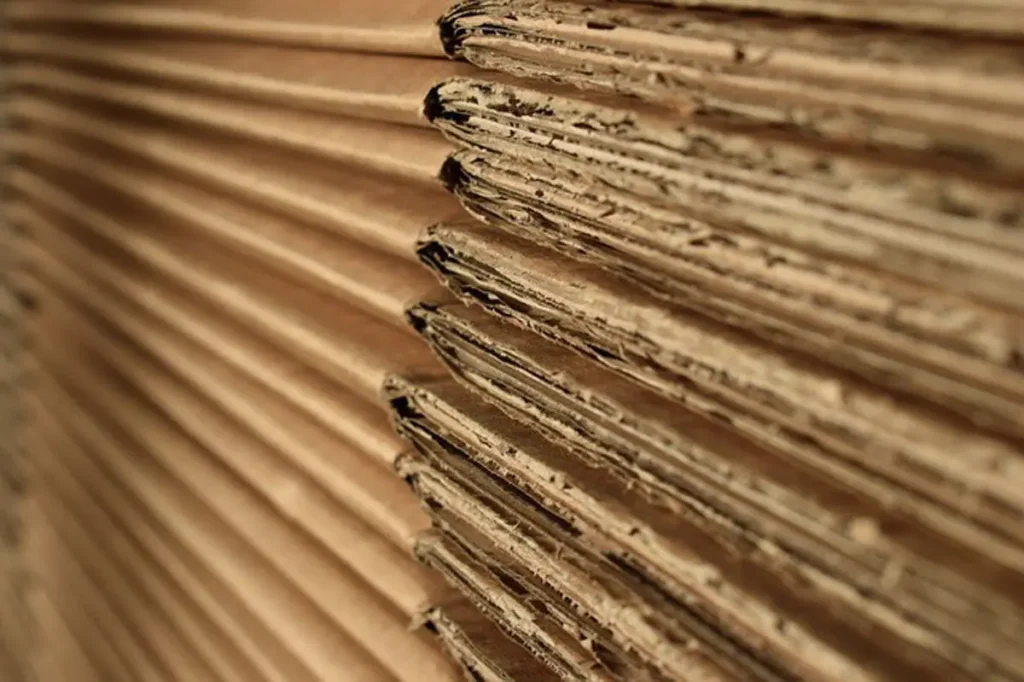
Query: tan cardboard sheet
x=930 y=219
x=16 y=619
x=67 y=657
x=377 y=282
x=60 y=463
x=146 y=620
x=66 y=584
x=372 y=494
x=473 y=640
x=315 y=619
x=379 y=210
x=365 y=425
x=185 y=606
x=950 y=95
x=353 y=348
x=279 y=452
x=388 y=26
x=825 y=419
x=299 y=625
x=880 y=326
x=151 y=600
x=987 y=16
x=403 y=151
x=673 y=539
x=375 y=87
x=62 y=627
x=613 y=423
x=364 y=627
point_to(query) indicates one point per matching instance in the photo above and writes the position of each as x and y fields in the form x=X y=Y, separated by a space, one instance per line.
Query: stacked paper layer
x=221 y=240
x=703 y=325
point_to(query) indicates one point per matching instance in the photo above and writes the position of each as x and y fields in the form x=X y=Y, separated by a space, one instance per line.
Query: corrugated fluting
x=513 y=340
x=218 y=215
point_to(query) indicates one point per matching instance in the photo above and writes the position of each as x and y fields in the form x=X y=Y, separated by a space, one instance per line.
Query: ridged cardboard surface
x=376 y=87
x=953 y=96
x=379 y=27
x=733 y=390
x=941 y=225
x=671 y=478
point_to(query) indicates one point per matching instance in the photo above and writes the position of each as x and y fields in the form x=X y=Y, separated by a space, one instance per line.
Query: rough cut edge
x=486 y=653
x=504 y=555
x=606 y=318
x=594 y=589
x=937 y=224
x=656 y=444
x=483 y=583
x=859 y=83
x=695 y=626
x=889 y=330
x=641 y=535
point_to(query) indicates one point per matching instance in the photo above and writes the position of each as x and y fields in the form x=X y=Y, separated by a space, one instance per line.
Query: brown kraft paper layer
x=950 y=95
x=349 y=610
x=375 y=87
x=669 y=548
x=823 y=419
x=942 y=224
x=883 y=327
x=395 y=26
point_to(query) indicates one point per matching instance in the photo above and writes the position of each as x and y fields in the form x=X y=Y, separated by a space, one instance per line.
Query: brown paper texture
x=951 y=95
x=377 y=282
x=944 y=225
x=357 y=350
x=274 y=369
x=218 y=598
x=199 y=626
x=826 y=421
x=656 y=488
x=375 y=87
x=882 y=327
x=379 y=210
x=374 y=505
x=395 y=26
x=146 y=621
x=404 y=152
x=303 y=634
x=67 y=656
x=73 y=592
x=349 y=614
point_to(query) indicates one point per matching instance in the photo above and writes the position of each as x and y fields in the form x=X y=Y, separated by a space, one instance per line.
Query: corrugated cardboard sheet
x=527 y=340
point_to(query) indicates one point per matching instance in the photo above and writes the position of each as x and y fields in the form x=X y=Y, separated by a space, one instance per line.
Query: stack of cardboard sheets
x=703 y=324
x=219 y=228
